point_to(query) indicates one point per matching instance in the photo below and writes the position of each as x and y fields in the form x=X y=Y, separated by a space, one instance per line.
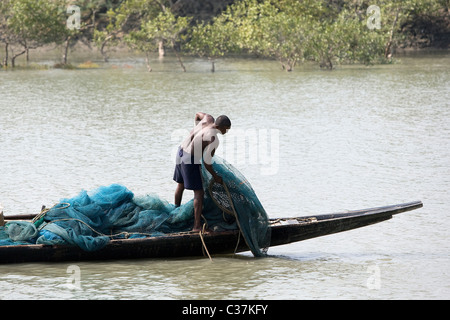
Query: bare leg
x=179 y=194
x=198 y=206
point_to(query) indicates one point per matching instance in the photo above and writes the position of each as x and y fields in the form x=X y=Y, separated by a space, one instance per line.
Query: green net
x=91 y=219
x=237 y=197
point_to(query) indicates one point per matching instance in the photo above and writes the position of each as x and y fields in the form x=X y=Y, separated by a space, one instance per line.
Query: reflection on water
x=224 y=278
x=311 y=276
x=352 y=138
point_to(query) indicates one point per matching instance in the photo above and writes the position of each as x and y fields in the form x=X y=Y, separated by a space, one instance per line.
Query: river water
x=314 y=142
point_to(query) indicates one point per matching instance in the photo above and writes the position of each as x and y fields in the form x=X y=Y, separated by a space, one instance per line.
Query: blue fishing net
x=91 y=219
x=237 y=198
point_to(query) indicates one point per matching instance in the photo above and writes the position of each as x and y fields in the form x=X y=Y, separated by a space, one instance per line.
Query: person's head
x=223 y=124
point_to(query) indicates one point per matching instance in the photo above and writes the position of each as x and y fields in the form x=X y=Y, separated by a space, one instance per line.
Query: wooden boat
x=283 y=231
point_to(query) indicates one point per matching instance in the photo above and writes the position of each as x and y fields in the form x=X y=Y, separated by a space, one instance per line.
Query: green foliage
x=212 y=40
x=37 y=22
x=327 y=32
x=30 y=24
x=292 y=31
x=283 y=36
x=165 y=27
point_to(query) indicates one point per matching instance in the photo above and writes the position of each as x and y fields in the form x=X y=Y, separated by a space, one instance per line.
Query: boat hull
x=283 y=231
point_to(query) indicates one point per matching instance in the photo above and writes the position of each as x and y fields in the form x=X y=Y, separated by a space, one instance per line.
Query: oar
x=29 y=216
x=2 y=219
x=20 y=217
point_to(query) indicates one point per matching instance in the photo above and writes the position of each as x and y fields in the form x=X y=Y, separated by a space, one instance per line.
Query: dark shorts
x=188 y=173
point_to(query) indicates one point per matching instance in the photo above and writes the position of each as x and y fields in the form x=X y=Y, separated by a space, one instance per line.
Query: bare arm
x=215 y=176
x=208 y=154
x=199 y=116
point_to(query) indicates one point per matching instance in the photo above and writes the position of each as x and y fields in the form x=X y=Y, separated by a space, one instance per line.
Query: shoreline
x=82 y=56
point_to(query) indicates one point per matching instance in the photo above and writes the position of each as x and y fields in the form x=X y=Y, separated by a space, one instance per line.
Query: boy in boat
x=201 y=143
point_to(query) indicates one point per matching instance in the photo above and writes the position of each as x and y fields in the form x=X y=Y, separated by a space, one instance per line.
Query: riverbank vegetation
x=326 y=32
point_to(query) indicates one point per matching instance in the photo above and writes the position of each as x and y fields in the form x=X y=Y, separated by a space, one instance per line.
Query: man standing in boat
x=201 y=143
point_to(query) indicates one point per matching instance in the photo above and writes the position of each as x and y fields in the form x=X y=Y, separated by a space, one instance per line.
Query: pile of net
x=92 y=219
